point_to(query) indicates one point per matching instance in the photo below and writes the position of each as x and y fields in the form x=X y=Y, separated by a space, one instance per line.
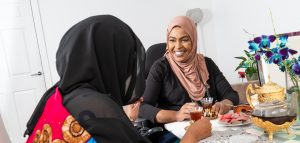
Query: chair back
x=153 y=53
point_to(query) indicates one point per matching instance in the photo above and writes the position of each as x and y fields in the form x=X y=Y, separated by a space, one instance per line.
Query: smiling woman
x=183 y=77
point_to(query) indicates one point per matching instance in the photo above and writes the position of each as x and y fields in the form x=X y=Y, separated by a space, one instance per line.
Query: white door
x=22 y=80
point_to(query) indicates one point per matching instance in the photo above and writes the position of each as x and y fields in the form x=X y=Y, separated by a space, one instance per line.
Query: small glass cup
x=207 y=104
x=196 y=113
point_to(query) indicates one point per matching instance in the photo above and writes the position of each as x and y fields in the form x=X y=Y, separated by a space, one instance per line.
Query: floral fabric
x=56 y=125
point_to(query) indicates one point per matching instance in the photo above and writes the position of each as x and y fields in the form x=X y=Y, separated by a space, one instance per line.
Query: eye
x=186 y=39
x=172 y=40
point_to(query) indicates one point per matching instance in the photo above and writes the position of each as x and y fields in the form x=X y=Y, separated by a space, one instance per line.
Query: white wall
x=148 y=19
x=232 y=16
x=221 y=34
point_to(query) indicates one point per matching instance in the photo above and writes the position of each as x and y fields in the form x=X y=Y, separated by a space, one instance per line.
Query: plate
x=247 y=122
x=231 y=119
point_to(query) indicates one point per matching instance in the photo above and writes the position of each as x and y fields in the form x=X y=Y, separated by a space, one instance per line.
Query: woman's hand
x=184 y=112
x=222 y=107
x=199 y=130
x=132 y=110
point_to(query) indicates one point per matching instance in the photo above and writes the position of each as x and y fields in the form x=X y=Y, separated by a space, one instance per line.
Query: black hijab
x=101 y=53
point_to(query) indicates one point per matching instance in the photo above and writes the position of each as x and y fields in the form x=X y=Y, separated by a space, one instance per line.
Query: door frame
x=42 y=45
x=38 y=34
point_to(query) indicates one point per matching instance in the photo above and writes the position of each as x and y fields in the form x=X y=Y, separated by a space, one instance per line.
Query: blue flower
x=278 y=53
x=253 y=46
x=274 y=56
x=283 y=40
x=257 y=57
x=292 y=52
x=264 y=41
x=284 y=52
x=296 y=67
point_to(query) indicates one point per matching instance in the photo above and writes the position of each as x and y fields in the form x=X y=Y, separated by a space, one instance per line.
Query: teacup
x=196 y=113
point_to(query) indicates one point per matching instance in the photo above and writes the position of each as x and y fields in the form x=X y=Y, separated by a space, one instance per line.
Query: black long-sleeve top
x=164 y=90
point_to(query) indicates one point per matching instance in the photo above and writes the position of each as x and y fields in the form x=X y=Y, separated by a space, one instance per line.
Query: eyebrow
x=186 y=36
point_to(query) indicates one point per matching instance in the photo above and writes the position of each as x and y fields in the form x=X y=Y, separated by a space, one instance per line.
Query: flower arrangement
x=274 y=50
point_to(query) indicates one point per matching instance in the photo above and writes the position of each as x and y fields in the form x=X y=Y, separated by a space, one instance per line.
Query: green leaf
x=253 y=65
x=247 y=53
x=242 y=58
x=238 y=67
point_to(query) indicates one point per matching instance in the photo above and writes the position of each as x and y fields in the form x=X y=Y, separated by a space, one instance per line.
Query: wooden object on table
x=242 y=108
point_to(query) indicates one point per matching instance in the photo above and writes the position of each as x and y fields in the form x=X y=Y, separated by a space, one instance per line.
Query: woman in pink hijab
x=183 y=76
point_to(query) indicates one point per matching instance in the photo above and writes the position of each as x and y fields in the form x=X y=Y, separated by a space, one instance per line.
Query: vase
x=298 y=113
x=253 y=77
x=294 y=90
x=294 y=100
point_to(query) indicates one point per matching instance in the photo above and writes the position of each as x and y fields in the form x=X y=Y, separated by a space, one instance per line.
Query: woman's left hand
x=222 y=107
x=132 y=110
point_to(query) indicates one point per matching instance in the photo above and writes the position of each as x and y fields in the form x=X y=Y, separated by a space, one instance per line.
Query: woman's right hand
x=184 y=112
x=199 y=130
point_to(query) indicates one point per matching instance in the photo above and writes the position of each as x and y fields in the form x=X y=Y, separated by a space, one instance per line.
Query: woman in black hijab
x=100 y=62
x=94 y=60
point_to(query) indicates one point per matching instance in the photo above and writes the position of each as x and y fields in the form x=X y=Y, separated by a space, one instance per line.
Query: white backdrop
x=220 y=33
x=148 y=19
x=232 y=16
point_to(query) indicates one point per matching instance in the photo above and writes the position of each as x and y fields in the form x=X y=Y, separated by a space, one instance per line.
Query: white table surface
x=236 y=134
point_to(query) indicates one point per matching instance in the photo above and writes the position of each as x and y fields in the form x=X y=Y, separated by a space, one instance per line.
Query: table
x=236 y=134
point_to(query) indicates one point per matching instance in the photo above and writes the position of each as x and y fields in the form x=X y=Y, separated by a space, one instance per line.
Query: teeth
x=179 y=53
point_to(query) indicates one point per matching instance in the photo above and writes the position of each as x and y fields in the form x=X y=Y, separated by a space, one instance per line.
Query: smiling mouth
x=179 y=53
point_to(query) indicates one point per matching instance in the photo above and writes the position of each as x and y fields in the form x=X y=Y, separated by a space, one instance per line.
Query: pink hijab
x=190 y=72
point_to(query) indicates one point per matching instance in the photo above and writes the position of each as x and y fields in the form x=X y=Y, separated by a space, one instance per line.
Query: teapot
x=273 y=110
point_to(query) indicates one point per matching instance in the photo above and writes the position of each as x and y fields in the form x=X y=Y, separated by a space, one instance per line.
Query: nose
x=178 y=45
